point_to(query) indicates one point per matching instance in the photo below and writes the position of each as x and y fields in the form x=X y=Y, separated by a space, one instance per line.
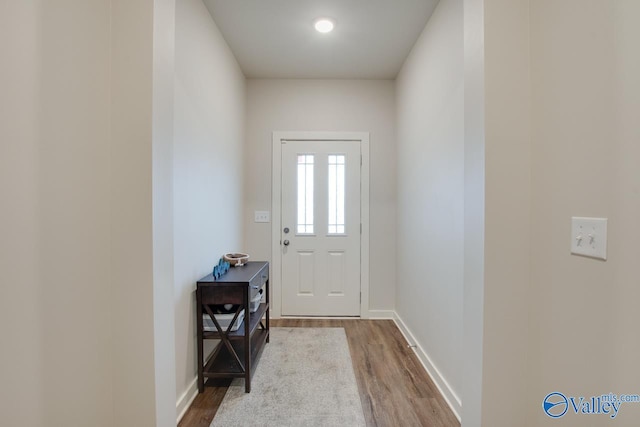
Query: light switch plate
x=261 y=216
x=589 y=237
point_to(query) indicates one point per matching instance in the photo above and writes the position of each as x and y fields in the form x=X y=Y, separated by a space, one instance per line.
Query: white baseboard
x=381 y=314
x=443 y=386
x=370 y=315
x=316 y=317
x=186 y=399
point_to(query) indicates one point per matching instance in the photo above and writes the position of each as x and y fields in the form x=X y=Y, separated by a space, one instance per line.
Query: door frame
x=276 y=218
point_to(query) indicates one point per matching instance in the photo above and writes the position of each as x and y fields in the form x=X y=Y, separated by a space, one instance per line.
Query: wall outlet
x=261 y=216
x=589 y=237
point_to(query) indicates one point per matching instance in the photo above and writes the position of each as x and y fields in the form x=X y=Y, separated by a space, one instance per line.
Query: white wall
x=430 y=101
x=79 y=236
x=325 y=105
x=585 y=65
x=21 y=360
x=55 y=306
x=561 y=101
x=164 y=17
x=207 y=167
x=474 y=211
x=132 y=287
x=507 y=212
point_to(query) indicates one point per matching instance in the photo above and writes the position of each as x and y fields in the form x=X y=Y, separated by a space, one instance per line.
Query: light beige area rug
x=304 y=378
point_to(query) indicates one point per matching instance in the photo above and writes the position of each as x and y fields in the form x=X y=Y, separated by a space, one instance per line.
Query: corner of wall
x=436 y=375
x=186 y=399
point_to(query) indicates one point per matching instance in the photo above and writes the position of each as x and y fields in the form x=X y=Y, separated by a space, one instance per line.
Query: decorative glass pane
x=305 y=194
x=336 y=193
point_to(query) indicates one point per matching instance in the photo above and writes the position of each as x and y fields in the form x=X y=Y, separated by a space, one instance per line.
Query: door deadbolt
x=286 y=230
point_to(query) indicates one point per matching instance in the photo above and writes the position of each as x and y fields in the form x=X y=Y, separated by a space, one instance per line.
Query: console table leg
x=200 y=343
x=247 y=344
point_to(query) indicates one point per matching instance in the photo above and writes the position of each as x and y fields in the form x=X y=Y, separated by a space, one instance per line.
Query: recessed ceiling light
x=324 y=25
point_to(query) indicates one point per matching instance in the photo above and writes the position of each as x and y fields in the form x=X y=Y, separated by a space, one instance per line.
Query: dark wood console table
x=236 y=354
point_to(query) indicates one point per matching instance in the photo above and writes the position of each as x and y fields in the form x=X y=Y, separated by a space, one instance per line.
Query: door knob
x=286 y=243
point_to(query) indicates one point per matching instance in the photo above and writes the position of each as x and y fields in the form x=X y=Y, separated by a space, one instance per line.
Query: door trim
x=276 y=175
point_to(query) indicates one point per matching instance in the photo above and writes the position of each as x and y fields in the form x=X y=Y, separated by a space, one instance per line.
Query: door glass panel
x=336 y=164
x=305 y=194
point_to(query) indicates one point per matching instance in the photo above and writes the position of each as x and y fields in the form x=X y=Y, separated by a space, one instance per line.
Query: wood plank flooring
x=395 y=390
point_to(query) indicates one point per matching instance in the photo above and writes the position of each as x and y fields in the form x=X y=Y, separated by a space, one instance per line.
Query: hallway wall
x=55 y=295
x=585 y=64
x=507 y=213
x=78 y=231
x=208 y=169
x=561 y=130
x=430 y=223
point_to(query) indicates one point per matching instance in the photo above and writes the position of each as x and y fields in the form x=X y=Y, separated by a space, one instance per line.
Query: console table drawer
x=222 y=295
x=258 y=282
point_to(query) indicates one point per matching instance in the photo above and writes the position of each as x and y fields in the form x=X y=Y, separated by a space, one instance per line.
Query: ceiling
x=276 y=38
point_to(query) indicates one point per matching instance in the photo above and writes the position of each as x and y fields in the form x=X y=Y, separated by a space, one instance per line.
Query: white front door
x=320 y=234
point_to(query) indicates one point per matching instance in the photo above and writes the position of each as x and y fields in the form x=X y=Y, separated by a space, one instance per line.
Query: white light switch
x=589 y=237
x=261 y=216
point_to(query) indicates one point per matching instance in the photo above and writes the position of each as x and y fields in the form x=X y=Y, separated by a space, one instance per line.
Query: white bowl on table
x=237 y=259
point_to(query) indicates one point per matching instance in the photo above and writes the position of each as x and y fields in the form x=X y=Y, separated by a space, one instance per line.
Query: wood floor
x=394 y=388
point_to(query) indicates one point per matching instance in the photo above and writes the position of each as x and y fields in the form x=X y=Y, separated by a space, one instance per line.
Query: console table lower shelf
x=223 y=364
